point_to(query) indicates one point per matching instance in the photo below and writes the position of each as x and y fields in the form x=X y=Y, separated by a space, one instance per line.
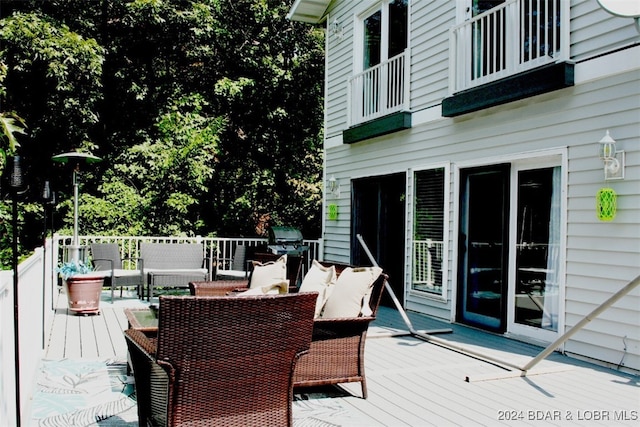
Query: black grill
x=286 y=240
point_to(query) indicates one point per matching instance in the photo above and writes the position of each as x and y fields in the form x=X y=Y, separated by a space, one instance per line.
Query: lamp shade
x=607 y=147
x=75 y=156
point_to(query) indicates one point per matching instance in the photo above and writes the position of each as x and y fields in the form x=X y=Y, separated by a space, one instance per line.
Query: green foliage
x=53 y=75
x=73 y=268
x=207 y=113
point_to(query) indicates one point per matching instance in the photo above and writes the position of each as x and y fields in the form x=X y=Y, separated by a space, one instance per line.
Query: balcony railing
x=427 y=265
x=514 y=37
x=217 y=250
x=380 y=90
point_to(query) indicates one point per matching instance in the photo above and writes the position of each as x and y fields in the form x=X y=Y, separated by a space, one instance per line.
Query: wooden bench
x=172 y=264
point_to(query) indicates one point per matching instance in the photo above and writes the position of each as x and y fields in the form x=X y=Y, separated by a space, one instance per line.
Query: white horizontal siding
x=601 y=257
x=595 y=31
x=574 y=117
x=430 y=23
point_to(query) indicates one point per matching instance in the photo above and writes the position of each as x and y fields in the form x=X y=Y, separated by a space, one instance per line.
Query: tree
x=218 y=101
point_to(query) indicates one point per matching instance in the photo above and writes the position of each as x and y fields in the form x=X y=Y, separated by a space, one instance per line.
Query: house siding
x=599 y=258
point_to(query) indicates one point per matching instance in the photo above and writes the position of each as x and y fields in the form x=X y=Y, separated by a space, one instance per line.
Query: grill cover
x=286 y=240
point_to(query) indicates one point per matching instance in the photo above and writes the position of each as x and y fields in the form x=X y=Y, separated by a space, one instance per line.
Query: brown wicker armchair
x=337 y=347
x=221 y=361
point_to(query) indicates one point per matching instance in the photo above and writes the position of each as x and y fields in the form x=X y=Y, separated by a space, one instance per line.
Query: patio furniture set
x=159 y=265
x=232 y=353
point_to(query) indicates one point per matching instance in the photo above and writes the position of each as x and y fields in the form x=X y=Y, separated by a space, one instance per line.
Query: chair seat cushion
x=319 y=279
x=350 y=295
x=121 y=273
x=176 y=271
x=273 y=289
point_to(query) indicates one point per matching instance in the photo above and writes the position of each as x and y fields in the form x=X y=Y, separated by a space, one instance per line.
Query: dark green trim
x=524 y=85
x=382 y=126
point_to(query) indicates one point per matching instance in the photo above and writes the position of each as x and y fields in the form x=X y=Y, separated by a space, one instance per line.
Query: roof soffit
x=311 y=11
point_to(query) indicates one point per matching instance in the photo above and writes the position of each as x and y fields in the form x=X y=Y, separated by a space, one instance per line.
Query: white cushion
x=350 y=292
x=272 y=289
x=269 y=273
x=319 y=279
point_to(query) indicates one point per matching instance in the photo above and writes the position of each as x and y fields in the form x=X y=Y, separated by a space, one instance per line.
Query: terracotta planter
x=83 y=293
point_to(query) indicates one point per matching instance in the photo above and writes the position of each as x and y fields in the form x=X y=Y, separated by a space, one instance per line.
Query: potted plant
x=83 y=287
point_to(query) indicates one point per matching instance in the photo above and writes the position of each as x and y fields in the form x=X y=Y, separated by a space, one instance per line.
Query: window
x=384 y=32
x=428 y=231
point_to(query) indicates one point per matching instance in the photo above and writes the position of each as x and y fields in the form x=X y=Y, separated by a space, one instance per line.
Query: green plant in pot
x=83 y=287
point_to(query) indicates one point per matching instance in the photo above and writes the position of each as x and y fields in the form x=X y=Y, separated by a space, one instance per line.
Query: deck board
x=412 y=382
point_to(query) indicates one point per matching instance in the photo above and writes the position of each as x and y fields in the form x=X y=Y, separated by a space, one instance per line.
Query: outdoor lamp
x=336 y=29
x=46 y=192
x=333 y=187
x=613 y=160
x=16 y=181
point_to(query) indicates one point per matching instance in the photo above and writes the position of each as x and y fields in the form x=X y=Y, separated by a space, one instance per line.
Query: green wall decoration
x=606 y=204
x=332 y=208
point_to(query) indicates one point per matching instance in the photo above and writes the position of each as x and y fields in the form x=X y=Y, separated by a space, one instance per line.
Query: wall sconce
x=613 y=160
x=333 y=187
x=336 y=29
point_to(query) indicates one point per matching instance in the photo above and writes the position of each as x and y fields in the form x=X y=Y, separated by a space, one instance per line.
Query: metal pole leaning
x=425 y=336
x=575 y=328
x=505 y=364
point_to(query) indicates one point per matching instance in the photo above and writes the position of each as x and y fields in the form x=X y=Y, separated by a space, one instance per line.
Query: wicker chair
x=221 y=361
x=106 y=258
x=294 y=265
x=337 y=347
x=214 y=288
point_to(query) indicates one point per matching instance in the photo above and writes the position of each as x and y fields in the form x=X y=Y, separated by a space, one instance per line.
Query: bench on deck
x=172 y=265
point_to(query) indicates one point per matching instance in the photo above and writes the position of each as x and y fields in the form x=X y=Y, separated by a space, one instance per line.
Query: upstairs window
x=384 y=31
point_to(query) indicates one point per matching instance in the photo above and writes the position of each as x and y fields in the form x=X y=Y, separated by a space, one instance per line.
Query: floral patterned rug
x=81 y=392
x=88 y=393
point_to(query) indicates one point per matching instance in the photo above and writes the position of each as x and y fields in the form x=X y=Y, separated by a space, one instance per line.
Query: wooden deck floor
x=412 y=382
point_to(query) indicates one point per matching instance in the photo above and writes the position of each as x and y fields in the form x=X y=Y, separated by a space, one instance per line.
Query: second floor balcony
x=380 y=90
x=514 y=37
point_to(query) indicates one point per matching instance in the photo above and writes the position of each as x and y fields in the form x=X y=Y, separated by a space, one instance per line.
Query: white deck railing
x=380 y=90
x=427 y=265
x=516 y=36
x=35 y=315
x=217 y=250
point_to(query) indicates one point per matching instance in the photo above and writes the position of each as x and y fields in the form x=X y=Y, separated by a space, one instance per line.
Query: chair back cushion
x=319 y=279
x=268 y=273
x=100 y=252
x=352 y=292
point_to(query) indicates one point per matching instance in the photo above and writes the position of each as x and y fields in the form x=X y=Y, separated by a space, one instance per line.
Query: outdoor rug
x=96 y=393
x=81 y=392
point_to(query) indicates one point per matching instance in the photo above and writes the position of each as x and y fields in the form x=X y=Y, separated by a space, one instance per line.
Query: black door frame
x=487 y=273
x=378 y=213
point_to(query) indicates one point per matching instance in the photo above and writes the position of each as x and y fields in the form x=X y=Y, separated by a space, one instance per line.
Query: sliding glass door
x=509 y=276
